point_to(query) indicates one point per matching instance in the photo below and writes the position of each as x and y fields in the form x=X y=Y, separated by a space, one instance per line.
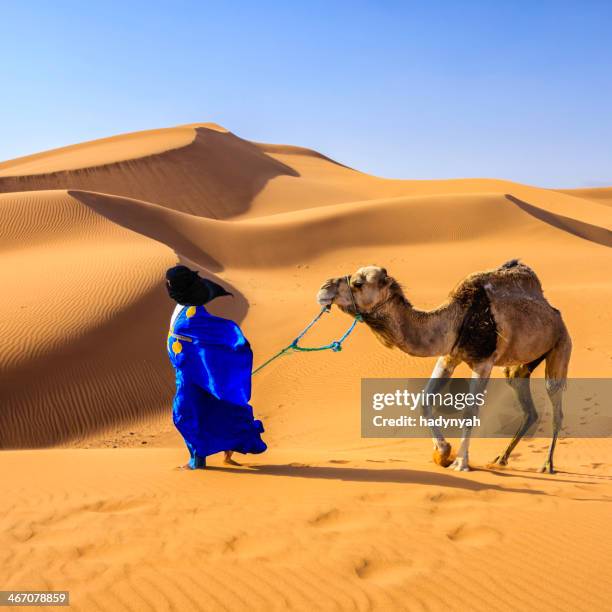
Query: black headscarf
x=186 y=287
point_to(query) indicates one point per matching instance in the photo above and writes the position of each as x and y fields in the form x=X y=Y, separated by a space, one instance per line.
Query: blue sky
x=507 y=89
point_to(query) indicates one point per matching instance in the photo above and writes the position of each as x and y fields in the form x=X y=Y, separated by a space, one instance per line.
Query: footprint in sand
x=474 y=535
x=386 y=572
x=442 y=505
x=323 y=519
x=333 y=520
x=113 y=506
x=447 y=499
x=373 y=497
x=248 y=546
x=21 y=533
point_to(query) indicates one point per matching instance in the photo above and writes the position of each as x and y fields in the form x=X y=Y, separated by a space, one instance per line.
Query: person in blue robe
x=213 y=362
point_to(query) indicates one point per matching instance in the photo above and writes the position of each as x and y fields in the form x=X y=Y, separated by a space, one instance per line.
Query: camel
x=498 y=317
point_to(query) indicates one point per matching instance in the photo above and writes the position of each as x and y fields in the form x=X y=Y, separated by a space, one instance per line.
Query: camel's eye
x=358 y=284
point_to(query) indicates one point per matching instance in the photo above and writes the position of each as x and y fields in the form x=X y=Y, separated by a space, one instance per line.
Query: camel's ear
x=384 y=279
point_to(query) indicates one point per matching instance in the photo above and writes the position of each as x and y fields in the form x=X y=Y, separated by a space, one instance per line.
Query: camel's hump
x=512 y=276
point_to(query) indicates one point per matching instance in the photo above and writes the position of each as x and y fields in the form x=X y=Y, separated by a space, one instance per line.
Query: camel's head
x=370 y=286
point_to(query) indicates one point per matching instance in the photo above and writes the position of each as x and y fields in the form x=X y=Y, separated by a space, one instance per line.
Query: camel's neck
x=417 y=332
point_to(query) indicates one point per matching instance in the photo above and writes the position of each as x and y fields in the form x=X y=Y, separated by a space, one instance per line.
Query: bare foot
x=228 y=459
x=191 y=465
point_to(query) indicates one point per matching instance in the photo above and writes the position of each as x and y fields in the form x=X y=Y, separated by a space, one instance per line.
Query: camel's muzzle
x=328 y=292
x=325 y=298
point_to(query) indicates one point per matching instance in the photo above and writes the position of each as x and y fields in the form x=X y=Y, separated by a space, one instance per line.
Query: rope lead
x=335 y=346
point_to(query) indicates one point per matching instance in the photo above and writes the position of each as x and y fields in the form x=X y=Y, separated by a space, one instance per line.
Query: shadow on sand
x=377 y=476
x=594 y=233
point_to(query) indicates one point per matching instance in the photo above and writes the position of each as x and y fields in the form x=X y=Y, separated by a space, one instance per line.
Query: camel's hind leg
x=518 y=379
x=557 y=361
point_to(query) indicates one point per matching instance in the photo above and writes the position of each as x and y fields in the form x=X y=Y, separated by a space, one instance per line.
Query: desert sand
x=92 y=502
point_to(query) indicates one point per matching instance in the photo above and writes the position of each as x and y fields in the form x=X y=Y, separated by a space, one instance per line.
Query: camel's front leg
x=444 y=368
x=478 y=384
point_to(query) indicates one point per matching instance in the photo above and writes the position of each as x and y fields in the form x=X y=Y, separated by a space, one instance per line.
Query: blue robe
x=213 y=362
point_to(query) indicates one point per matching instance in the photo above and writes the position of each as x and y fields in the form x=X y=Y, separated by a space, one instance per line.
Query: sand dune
x=277 y=240
x=332 y=520
x=101 y=152
x=202 y=169
x=79 y=288
x=601 y=195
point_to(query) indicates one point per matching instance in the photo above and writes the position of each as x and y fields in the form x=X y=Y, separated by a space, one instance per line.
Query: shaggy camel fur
x=498 y=317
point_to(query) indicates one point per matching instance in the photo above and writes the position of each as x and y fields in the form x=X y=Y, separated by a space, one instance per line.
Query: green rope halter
x=335 y=346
